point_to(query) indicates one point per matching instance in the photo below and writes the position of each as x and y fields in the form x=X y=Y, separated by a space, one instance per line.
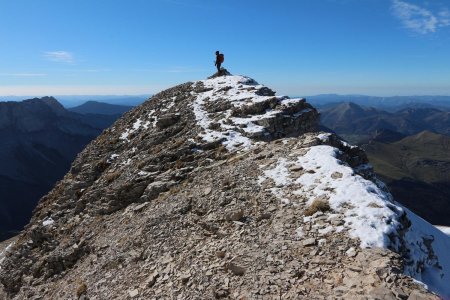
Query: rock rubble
x=172 y=202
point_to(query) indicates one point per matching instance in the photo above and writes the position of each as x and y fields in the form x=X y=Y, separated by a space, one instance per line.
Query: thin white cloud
x=445 y=17
x=23 y=74
x=59 y=56
x=419 y=19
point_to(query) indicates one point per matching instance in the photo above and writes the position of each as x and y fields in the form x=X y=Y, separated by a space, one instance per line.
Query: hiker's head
x=217 y=52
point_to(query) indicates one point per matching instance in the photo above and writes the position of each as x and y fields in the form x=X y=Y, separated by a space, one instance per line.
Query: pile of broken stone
x=176 y=201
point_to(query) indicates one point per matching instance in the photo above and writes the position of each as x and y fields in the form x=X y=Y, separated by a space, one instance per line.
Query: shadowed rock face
x=39 y=141
x=30 y=115
x=194 y=195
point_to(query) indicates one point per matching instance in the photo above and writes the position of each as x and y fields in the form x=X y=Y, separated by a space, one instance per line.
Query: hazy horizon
x=25 y=97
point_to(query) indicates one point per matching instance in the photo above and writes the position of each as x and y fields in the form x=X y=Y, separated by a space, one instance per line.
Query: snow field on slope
x=369 y=212
x=432 y=267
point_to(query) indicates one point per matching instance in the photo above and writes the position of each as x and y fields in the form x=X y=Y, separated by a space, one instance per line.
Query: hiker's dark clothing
x=218 y=63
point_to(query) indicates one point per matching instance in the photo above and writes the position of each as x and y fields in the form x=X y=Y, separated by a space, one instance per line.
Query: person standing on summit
x=219 y=60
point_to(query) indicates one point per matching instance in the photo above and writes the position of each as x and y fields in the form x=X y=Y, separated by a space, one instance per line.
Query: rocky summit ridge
x=219 y=189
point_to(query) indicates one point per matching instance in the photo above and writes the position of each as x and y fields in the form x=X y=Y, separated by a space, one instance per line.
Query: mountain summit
x=220 y=189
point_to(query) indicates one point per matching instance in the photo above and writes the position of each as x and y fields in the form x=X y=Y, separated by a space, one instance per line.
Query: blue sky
x=297 y=47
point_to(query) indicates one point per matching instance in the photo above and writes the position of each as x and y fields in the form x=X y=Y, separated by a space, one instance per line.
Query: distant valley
x=409 y=149
x=40 y=139
x=358 y=123
x=417 y=171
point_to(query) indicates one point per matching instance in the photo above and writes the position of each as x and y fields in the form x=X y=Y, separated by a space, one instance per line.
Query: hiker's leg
x=218 y=68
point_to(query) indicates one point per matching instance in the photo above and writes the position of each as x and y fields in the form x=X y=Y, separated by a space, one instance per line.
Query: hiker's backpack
x=221 y=58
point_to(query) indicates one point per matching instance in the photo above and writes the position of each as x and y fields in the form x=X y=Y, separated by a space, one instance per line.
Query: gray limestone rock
x=167 y=120
x=309 y=242
x=155 y=208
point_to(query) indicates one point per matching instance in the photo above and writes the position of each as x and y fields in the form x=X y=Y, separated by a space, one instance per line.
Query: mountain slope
x=220 y=189
x=416 y=171
x=40 y=139
x=338 y=116
x=360 y=123
x=390 y=104
x=95 y=107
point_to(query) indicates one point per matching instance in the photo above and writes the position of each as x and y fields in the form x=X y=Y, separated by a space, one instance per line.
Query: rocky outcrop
x=202 y=192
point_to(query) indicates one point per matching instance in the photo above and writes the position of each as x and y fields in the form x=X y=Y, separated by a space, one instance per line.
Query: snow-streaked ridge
x=370 y=214
x=238 y=91
x=234 y=131
x=226 y=94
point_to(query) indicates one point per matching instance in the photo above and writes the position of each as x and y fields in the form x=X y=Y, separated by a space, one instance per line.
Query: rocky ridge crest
x=219 y=189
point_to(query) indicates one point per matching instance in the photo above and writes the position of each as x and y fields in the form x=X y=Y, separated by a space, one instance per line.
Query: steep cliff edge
x=221 y=189
x=39 y=141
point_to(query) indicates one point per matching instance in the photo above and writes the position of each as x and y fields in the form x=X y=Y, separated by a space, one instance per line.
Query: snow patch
x=324 y=137
x=48 y=222
x=138 y=125
x=279 y=174
x=369 y=212
x=237 y=91
x=364 y=204
x=170 y=105
x=3 y=253
x=299 y=232
x=429 y=260
x=261 y=179
x=444 y=229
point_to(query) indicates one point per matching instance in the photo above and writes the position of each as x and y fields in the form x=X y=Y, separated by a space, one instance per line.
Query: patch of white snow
x=444 y=229
x=279 y=174
x=48 y=222
x=238 y=91
x=3 y=253
x=352 y=195
x=428 y=265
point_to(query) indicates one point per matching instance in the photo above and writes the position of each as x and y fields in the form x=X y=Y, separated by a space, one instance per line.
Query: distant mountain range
x=393 y=103
x=409 y=149
x=95 y=107
x=357 y=123
x=76 y=100
x=39 y=141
